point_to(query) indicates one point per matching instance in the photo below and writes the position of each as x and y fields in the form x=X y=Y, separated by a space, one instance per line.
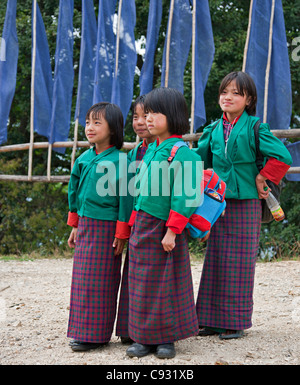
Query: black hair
x=114 y=117
x=171 y=103
x=245 y=85
x=139 y=100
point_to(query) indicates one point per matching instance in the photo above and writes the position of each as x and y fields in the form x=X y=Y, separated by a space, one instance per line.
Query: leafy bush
x=282 y=239
x=32 y=215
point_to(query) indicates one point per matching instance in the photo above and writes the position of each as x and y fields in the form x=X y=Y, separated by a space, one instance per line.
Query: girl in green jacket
x=161 y=300
x=100 y=207
x=225 y=297
x=135 y=156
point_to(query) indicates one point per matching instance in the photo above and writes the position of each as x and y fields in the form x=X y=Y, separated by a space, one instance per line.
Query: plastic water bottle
x=274 y=207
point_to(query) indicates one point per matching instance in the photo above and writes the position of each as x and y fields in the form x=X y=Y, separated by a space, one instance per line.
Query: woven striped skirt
x=225 y=297
x=95 y=282
x=161 y=300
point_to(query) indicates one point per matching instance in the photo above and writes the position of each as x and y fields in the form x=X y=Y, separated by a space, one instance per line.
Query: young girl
x=161 y=301
x=99 y=216
x=136 y=155
x=140 y=128
x=225 y=298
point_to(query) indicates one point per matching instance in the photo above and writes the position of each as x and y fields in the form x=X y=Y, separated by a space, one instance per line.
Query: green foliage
x=32 y=216
x=282 y=239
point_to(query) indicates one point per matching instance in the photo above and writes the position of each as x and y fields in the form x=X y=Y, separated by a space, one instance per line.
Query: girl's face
x=139 y=122
x=157 y=125
x=97 y=131
x=231 y=102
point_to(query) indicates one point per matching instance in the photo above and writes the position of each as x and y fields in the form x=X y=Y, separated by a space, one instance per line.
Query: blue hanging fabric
x=43 y=81
x=204 y=55
x=87 y=61
x=8 y=66
x=279 y=107
x=63 y=76
x=294 y=149
x=125 y=58
x=154 y=21
x=180 y=44
x=105 y=54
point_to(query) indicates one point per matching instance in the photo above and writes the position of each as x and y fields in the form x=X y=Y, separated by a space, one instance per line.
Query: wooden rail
x=291 y=133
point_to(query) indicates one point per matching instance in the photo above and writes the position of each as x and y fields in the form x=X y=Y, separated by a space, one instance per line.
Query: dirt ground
x=34 y=301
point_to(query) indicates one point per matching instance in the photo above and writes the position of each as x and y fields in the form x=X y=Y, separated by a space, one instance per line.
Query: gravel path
x=34 y=300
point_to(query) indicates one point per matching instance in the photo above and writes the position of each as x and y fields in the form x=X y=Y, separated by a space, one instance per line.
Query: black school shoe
x=126 y=340
x=139 y=350
x=78 y=346
x=165 y=351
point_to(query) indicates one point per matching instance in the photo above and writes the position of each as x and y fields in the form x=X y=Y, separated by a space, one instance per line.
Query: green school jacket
x=98 y=186
x=169 y=191
x=236 y=163
x=133 y=153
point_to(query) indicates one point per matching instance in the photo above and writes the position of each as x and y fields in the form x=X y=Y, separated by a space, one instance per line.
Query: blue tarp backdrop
x=63 y=75
x=204 y=56
x=279 y=107
x=125 y=59
x=180 y=44
x=294 y=149
x=53 y=97
x=105 y=62
x=8 y=66
x=87 y=65
x=43 y=90
x=154 y=20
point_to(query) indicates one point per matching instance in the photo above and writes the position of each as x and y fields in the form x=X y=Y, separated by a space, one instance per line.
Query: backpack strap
x=175 y=148
x=259 y=156
x=215 y=125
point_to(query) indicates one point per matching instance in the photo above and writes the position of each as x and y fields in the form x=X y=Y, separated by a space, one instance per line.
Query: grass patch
x=37 y=255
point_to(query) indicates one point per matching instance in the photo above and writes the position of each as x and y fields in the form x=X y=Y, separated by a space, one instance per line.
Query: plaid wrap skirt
x=161 y=300
x=95 y=282
x=225 y=297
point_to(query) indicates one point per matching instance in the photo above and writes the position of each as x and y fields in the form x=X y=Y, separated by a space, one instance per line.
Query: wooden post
x=248 y=36
x=168 y=44
x=74 y=143
x=118 y=37
x=49 y=162
x=193 y=71
x=268 y=64
x=32 y=93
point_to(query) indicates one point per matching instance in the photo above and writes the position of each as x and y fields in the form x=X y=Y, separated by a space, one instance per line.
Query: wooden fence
x=291 y=133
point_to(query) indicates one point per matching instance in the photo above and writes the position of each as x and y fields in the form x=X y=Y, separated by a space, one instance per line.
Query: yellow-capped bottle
x=275 y=207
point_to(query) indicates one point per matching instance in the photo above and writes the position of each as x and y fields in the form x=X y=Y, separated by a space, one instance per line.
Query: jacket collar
x=170 y=139
x=218 y=134
x=235 y=132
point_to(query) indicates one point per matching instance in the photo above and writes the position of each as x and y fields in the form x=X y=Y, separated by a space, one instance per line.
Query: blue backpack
x=213 y=204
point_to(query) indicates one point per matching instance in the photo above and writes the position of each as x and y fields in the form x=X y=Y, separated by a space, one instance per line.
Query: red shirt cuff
x=274 y=170
x=122 y=230
x=176 y=222
x=73 y=219
x=132 y=218
x=200 y=223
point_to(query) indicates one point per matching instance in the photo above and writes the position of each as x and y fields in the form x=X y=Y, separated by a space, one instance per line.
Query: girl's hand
x=118 y=245
x=205 y=238
x=260 y=185
x=168 y=241
x=72 y=238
